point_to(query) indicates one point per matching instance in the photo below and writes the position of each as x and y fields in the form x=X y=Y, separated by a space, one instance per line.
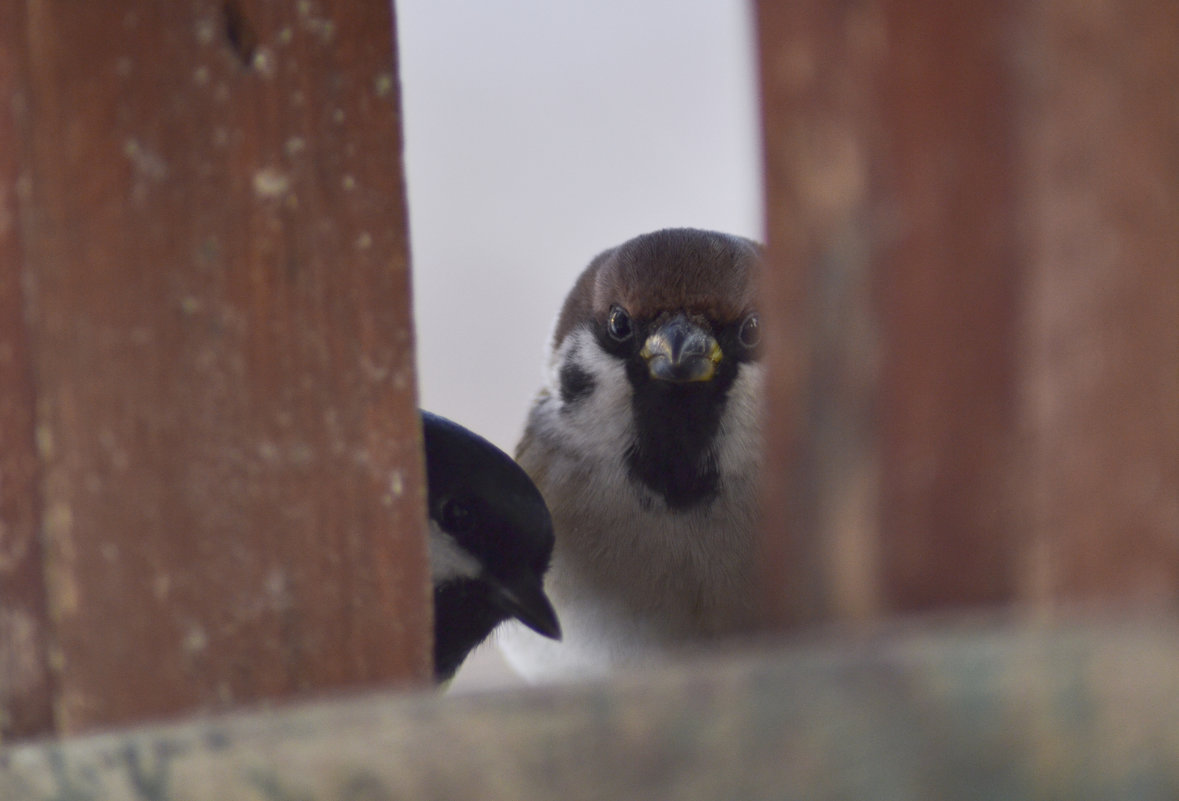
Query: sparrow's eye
x=457 y=517
x=618 y=323
x=750 y=333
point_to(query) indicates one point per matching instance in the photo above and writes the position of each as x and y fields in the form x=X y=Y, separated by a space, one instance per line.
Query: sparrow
x=490 y=541
x=646 y=444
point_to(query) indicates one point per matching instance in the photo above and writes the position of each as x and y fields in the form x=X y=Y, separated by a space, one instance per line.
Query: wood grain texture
x=1100 y=389
x=948 y=279
x=26 y=700
x=217 y=296
x=980 y=711
x=818 y=62
x=973 y=232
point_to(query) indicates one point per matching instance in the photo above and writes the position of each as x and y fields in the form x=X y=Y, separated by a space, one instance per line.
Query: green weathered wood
x=1006 y=712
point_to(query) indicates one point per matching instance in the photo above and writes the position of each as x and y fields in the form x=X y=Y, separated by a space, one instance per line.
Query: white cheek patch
x=448 y=559
x=599 y=423
x=740 y=426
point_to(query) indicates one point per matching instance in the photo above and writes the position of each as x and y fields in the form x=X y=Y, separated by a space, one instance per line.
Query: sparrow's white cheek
x=739 y=441
x=448 y=559
x=597 y=422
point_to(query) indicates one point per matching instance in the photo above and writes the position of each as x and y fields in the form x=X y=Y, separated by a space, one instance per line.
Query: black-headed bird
x=646 y=444
x=490 y=541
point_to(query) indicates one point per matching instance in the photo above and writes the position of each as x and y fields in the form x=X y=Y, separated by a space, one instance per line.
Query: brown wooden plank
x=25 y=682
x=1101 y=364
x=973 y=225
x=979 y=711
x=219 y=311
x=818 y=68
x=947 y=277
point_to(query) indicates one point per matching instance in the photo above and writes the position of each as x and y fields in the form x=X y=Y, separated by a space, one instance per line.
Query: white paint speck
x=271 y=183
x=161 y=586
x=205 y=31
x=45 y=442
x=374 y=372
x=146 y=163
x=57 y=660
x=195 y=639
x=276 y=585
x=264 y=62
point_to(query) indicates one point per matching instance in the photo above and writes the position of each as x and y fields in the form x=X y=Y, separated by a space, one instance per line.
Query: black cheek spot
x=576 y=384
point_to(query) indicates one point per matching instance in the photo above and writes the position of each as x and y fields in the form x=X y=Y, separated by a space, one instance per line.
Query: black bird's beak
x=681 y=351
x=527 y=603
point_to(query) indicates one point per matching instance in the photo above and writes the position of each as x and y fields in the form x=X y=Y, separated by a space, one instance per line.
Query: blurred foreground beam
x=973 y=289
x=207 y=389
x=25 y=693
x=985 y=712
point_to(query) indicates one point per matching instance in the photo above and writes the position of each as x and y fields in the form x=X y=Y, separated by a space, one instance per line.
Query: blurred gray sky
x=540 y=132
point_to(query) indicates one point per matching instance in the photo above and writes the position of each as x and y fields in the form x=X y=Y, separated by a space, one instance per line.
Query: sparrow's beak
x=527 y=602
x=681 y=351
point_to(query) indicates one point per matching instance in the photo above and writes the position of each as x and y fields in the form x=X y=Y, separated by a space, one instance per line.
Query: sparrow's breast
x=625 y=548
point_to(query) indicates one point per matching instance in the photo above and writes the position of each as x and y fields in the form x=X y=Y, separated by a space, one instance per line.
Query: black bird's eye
x=457 y=517
x=750 y=333
x=618 y=323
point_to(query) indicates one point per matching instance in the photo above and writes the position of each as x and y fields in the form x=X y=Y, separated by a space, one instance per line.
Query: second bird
x=490 y=542
x=646 y=445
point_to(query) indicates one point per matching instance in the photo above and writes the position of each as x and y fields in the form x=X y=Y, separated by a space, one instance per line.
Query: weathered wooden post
x=211 y=489
x=973 y=216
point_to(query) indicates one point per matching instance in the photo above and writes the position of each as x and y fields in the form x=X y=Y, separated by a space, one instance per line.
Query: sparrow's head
x=491 y=539
x=677 y=309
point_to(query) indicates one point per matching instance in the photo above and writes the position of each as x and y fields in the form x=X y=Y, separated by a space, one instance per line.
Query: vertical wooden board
x=219 y=305
x=817 y=63
x=948 y=279
x=25 y=691
x=975 y=393
x=892 y=255
x=1101 y=363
